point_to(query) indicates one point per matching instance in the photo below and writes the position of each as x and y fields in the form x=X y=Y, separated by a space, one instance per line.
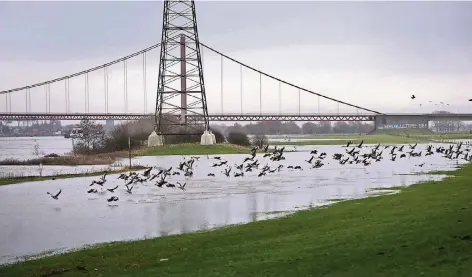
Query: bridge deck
x=212 y=117
x=228 y=117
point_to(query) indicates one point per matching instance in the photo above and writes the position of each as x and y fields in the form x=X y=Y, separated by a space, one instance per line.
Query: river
x=21 y=148
x=31 y=222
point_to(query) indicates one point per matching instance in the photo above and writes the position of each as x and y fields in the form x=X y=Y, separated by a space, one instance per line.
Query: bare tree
x=259 y=141
x=37 y=152
x=93 y=136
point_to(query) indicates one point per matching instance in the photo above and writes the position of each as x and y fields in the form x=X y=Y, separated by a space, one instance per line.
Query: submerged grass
x=192 y=149
x=424 y=230
x=24 y=179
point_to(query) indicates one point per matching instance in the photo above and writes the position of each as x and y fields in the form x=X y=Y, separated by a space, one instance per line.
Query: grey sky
x=428 y=40
x=54 y=30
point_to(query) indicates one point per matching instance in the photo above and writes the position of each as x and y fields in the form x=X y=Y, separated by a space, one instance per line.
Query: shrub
x=220 y=138
x=80 y=147
x=118 y=139
x=259 y=141
x=238 y=138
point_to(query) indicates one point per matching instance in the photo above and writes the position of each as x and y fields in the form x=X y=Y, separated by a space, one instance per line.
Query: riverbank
x=72 y=159
x=193 y=149
x=369 y=139
x=110 y=158
x=24 y=179
x=425 y=229
x=342 y=140
x=427 y=134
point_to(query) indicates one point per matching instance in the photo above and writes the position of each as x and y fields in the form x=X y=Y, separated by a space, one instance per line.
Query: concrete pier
x=207 y=138
x=155 y=140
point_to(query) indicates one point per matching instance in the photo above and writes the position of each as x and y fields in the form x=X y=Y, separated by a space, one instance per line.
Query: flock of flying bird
x=413 y=97
x=351 y=155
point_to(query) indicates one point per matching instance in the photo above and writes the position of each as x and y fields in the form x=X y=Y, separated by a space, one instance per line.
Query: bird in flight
x=55 y=196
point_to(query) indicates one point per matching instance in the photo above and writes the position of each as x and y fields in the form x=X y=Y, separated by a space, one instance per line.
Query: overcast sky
x=373 y=54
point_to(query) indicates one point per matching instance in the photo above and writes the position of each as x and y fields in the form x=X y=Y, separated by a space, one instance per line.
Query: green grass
x=431 y=136
x=447 y=136
x=404 y=132
x=342 y=140
x=192 y=149
x=322 y=136
x=24 y=179
x=423 y=230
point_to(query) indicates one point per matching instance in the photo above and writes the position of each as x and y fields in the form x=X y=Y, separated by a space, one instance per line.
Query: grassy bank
x=424 y=230
x=342 y=140
x=426 y=134
x=446 y=136
x=371 y=139
x=321 y=136
x=16 y=180
x=192 y=149
x=93 y=159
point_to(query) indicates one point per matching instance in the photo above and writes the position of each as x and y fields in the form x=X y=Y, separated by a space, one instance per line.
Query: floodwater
x=21 y=148
x=31 y=222
x=50 y=170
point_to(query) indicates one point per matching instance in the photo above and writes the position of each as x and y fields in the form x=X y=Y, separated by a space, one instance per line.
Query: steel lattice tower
x=180 y=70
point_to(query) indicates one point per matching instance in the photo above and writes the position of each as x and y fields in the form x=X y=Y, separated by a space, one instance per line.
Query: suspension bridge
x=121 y=89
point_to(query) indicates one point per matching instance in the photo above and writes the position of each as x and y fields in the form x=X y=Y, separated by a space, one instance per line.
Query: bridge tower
x=180 y=77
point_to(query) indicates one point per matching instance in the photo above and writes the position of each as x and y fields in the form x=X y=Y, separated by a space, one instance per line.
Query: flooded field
x=32 y=222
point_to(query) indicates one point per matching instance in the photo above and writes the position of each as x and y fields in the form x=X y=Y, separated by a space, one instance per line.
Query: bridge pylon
x=180 y=76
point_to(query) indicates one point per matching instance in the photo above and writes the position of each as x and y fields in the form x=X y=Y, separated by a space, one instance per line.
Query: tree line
x=95 y=139
x=292 y=128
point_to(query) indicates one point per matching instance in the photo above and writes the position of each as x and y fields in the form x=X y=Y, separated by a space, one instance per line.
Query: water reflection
x=31 y=222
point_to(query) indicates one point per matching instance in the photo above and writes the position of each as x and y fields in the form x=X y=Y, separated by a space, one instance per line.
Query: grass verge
x=24 y=179
x=342 y=140
x=192 y=149
x=424 y=230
